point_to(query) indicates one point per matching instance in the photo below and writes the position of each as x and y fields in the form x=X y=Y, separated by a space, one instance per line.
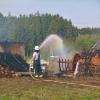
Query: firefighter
x=36 y=62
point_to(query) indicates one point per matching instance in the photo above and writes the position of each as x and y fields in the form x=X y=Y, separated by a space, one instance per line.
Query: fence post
x=62 y=64
x=59 y=64
x=65 y=64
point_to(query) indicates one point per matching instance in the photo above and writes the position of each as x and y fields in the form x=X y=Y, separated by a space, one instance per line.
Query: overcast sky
x=83 y=13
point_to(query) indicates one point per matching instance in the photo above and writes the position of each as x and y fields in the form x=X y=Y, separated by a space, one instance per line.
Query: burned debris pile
x=6 y=73
x=13 y=62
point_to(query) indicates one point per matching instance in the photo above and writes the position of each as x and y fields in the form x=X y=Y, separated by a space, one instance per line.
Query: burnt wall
x=13 y=48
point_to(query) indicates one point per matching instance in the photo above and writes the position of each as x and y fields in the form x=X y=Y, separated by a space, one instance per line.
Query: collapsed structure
x=91 y=58
x=12 y=56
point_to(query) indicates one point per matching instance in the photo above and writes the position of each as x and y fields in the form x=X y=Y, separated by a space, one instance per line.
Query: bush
x=86 y=41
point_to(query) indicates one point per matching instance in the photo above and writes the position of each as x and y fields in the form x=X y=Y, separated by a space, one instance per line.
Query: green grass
x=27 y=58
x=23 y=89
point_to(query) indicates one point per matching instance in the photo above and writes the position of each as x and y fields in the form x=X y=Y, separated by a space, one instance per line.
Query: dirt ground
x=53 y=88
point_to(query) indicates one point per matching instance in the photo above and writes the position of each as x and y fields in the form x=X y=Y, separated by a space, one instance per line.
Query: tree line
x=34 y=28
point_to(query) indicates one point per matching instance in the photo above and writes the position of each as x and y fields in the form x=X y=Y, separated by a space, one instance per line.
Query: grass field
x=27 y=89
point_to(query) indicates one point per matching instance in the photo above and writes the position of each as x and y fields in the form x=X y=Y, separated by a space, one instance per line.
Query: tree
x=33 y=29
